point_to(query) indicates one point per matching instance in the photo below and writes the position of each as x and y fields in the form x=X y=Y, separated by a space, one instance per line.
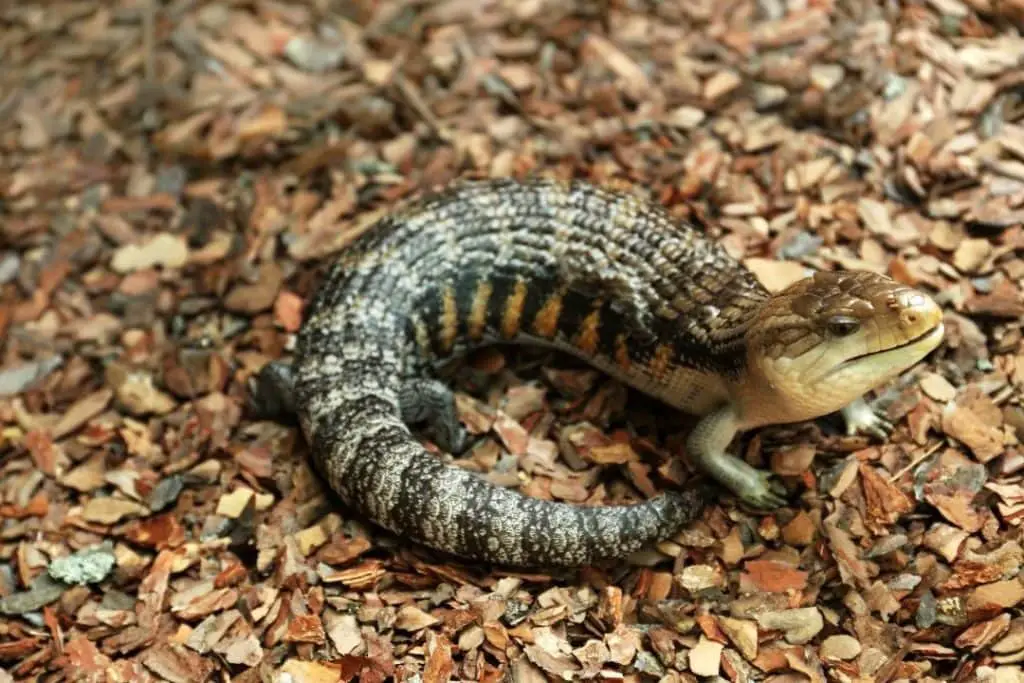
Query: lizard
x=609 y=277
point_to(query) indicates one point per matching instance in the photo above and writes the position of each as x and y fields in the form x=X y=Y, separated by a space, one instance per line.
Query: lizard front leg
x=861 y=418
x=707 y=446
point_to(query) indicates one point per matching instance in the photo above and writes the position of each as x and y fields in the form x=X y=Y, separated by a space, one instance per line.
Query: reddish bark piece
x=774 y=577
x=163 y=531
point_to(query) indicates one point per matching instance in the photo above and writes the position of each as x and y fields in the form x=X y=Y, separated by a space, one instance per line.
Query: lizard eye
x=843 y=325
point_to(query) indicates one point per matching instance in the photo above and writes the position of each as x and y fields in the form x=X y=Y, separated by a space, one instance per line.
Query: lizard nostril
x=910 y=318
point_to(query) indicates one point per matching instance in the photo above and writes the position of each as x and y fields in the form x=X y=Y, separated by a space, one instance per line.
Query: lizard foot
x=762 y=490
x=431 y=401
x=271 y=392
x=861 y=418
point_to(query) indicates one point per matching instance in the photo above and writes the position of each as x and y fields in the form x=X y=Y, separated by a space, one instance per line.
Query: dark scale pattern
x=521 y=261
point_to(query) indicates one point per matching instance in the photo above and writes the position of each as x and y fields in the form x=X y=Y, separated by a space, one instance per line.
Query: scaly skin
x=609 y=278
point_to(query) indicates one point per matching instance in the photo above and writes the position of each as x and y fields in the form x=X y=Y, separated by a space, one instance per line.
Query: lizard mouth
x=930 y=339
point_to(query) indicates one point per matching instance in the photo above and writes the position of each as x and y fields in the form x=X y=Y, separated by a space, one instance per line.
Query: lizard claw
x=862 y=419
x=763 y=491
x=454 y=439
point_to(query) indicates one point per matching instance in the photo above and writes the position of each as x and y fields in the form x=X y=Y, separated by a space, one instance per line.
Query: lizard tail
x=373 y=461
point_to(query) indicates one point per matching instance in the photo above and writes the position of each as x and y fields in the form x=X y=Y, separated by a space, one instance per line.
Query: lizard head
x=827 y=339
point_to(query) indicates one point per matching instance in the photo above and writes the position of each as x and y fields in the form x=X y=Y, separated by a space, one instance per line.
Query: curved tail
x=378 y=467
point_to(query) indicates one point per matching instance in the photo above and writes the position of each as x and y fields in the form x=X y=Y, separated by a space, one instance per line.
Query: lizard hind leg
x=272 y=392
x=431 y=401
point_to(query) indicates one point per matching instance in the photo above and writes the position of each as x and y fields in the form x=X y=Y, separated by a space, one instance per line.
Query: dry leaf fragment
x=841 y=647
x=623 y=644
x=851 y=568
x=958 y=507
x=946 y=540
x=886 y=502
x=343 y=549
x=706 y=657
x=971 y=255
x=439 y=665
x=617 y=453
x=309 y=672
x=512 y=435
x=743 y=634
x=720 y=84
x=232 y=504
x=800 y=625
x=937 y=387
x=774 y=577
x=699 y=577
x=592 y=656
x=173 y=662
x=875 y=216
x=617 y=61
x=776 y=275
x=552 y=653
x=971 y=574
x=808 y=174
x=998 y=595
x=344 y=632
x=165 y=249
x=981 y=635
x=202 y=600
x=471 y=638
x=799 y=531
x=269 y=122
x=1013 y=640
x=971 y=97
x=305 y=628
x=82 y=660
x=525 y=671
x=156 y=532
x=112 y=510
x=792 y=462
x=259 y=296
x=310 y=538
x=244 y=649
x=976 y=421
x=211 y=629
x=991 y=59
x=288 y=309
x=83 y=410
x=88 y=476
x=685 y=118
x=412 y=618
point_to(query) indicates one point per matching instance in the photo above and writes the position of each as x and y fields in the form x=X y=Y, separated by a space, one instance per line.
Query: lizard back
x=602 y=274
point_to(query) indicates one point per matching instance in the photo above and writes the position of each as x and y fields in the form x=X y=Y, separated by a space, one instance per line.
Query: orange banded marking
x=622 y=351
x=545 y=324
x=513 y=310
x=449 y=319
x=478 y=313
x=588 y=338
x=660 y=360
